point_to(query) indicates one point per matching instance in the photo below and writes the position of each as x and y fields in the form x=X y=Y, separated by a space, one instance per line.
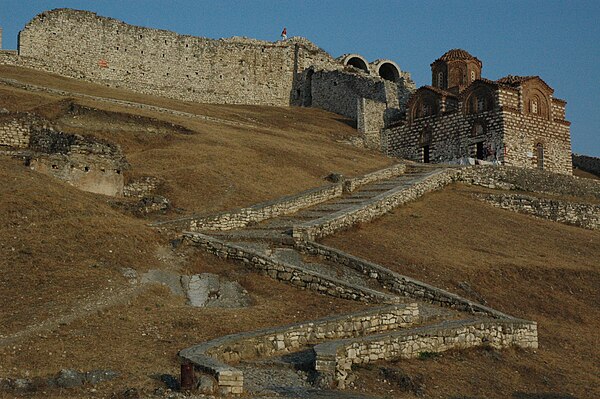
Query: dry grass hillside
x=214 y=166
x=66 y=304
x=527 y=267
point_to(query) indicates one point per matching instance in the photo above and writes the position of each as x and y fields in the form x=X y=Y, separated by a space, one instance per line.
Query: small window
x=480 y=103
x=426 y=154
x=441 y=79
x=534 y=106
x=472 y=76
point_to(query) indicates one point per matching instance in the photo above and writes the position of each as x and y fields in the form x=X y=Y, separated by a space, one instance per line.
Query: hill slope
x=66 y=303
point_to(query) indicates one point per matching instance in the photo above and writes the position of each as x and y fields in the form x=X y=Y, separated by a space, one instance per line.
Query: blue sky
x=558 y=40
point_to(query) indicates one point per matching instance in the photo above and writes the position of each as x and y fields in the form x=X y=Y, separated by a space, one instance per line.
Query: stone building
x=512 y=121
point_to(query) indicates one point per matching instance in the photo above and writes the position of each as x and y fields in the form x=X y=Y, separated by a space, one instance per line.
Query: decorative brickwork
x=514 y=121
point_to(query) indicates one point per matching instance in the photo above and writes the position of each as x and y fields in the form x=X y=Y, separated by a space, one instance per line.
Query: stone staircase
x=309 y=359
x=281 y=229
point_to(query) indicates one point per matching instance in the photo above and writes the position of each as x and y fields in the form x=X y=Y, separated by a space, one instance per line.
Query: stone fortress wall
x=237 y=70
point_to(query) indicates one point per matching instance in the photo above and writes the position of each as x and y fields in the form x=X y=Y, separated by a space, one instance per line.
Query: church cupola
x=455 y=70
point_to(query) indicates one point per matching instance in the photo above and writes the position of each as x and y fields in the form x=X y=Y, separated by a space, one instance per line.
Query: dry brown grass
x=583 y=173
x=63 y=249
x=219 y=166
x=527 y=267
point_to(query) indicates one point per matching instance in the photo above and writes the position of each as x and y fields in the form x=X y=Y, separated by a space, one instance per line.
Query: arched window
x=472 y=76
x=441 y=79
x=424 y=105
x=536 y=103
x=539 y=151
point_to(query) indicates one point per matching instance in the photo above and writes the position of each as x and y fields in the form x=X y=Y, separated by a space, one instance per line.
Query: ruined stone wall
x=142 y=187
x=334 y=360
x=370 y=121
x=83 y=162
x=531 y=180
x=14 y=130
x=575 y=214
x=105 y=50
x=339 y=91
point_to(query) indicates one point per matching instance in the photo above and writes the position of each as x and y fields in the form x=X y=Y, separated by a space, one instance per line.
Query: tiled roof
x=513 y=80
x=516 y=81
x=438 y=90
x=456 y=54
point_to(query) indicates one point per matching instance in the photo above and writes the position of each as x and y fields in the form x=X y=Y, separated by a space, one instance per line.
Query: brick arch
x=424 y=104
x=479 y=100
x=536 y=103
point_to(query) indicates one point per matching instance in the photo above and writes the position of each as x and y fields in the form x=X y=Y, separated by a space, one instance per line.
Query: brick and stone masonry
x=514 y=121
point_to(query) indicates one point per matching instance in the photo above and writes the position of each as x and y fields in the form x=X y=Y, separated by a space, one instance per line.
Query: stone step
x=329 y=207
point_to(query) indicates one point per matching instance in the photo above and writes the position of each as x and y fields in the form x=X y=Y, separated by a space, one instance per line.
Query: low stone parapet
x=374 y=208
x=212 y=357
x=352 y=184
x=575 y=214
x=291 y=274
x=397 y=283
x=334 y=360
x=530 y=180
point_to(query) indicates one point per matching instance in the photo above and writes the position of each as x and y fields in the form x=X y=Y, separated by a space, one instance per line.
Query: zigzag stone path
x=306 y=360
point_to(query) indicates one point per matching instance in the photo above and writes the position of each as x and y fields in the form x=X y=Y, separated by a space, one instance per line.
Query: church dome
x=456 y=54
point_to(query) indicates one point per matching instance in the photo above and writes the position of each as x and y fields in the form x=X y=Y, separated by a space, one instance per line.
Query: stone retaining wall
x=532 y=180
x=374 y=208
x=286 y=205
x=292 y=274
x=334 y=360
x=142 y=187
x=576 y=214
x=398 y=283
x=14 y=130
x=211 y=357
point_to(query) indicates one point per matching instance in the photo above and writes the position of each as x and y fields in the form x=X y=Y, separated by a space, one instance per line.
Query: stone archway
x=356 y=61
x=388 y=70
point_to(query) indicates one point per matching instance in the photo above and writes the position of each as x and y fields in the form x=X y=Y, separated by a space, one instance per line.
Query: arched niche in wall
x=356 y=61
x=480 y=99
x=536 y=103
x=425 y=104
